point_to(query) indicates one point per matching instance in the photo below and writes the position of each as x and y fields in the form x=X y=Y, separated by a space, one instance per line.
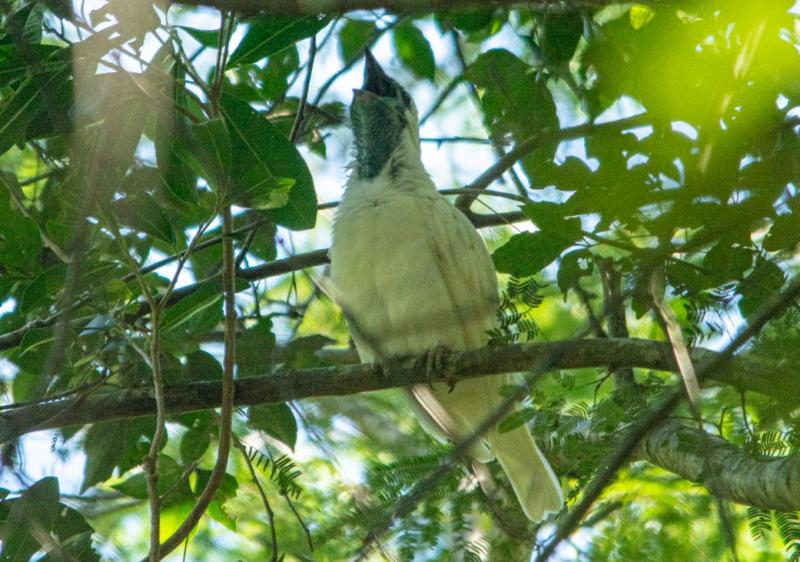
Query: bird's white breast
x=409 y=270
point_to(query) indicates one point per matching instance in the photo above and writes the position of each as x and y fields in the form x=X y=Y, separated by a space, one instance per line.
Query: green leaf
x=528 y=253
x=206 y=37
x=784 y=233
x=227 y=490
x=276 y=197
x=414 y=50
x=180 y=180
x=206 y=296
x=573 y=266
x=271 y=34
x=20 y=243
x=561 y=33
x=43 y=289
x=549 y=218
x=143 y=213
x=765 y=280
x=512 y=97
x=78 y=547
x=275 y=76
x=33 y=351
x=468 y=21
x=254 y=349
x=14 y=67
x=726 y=262
x=28 y=21
x=276 y=420
x=135 y=486
x=354 y=36
x=202 y=366
x=113 y=445
x=37 y=509
x=194 y=444
x=206 y=147
x=267 y=157
x=300 y=353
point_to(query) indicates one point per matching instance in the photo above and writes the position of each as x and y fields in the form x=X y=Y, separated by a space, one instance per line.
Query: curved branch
x=770 y=482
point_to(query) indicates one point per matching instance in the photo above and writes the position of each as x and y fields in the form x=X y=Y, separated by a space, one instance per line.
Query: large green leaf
x=37 y=508
x=271 y=34
x=13 y=66
x=140 y=211
x=414 y=50
x=528 y=253
x=206 y=296
x=513 y=98
x=267 y=159
x=206 y=147
x=44 y=288
x=206 y=37
x=135 y=485
x=194 y=444
x=254 y=349
x=24 y=25
x=18 y=109
x=549 y=218
x=113 y=445
x=276 y=420
x=20 y=243
x=353 y=36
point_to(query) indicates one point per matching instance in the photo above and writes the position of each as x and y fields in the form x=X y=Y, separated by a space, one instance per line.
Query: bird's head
x=384 y=120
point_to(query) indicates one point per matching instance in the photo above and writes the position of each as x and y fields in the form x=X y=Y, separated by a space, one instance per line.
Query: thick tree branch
x=740 y=372
x=727 y=471
x=771 y=483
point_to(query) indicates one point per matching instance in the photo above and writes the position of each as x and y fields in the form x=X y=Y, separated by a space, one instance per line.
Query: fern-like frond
x=281 y=470
x=760 y=522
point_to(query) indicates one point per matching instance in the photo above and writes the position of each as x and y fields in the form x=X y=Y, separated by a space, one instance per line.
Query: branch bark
x=771 y=483
x=742 y=373
x=727 y=471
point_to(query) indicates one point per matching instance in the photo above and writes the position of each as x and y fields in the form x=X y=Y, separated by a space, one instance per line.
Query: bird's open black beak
x=375 y=79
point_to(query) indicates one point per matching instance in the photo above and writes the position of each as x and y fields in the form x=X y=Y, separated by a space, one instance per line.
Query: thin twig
x=154 y=359
x=228 y=285
x=226 y=412
x=299 y=121
x=443 y=95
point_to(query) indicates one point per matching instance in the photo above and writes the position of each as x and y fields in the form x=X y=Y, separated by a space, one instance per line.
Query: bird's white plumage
x=411 y=273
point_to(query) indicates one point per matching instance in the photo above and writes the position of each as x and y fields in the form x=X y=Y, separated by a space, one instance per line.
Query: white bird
x=412 y=274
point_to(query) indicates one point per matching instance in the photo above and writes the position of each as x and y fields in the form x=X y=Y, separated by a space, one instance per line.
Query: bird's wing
x=464 y=266
x=470 y=279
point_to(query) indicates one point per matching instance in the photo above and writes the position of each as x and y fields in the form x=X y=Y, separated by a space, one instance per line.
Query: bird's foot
x=383 y=368
x=437 y=364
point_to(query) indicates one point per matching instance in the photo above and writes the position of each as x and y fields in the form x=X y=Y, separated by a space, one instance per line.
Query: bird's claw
x=383 y=369
x=437 y=364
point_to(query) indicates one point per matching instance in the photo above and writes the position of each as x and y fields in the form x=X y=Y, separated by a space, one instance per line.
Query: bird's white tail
x=535 y=484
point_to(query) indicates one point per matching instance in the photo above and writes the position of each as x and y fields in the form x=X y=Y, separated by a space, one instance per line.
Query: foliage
x=663 y=145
